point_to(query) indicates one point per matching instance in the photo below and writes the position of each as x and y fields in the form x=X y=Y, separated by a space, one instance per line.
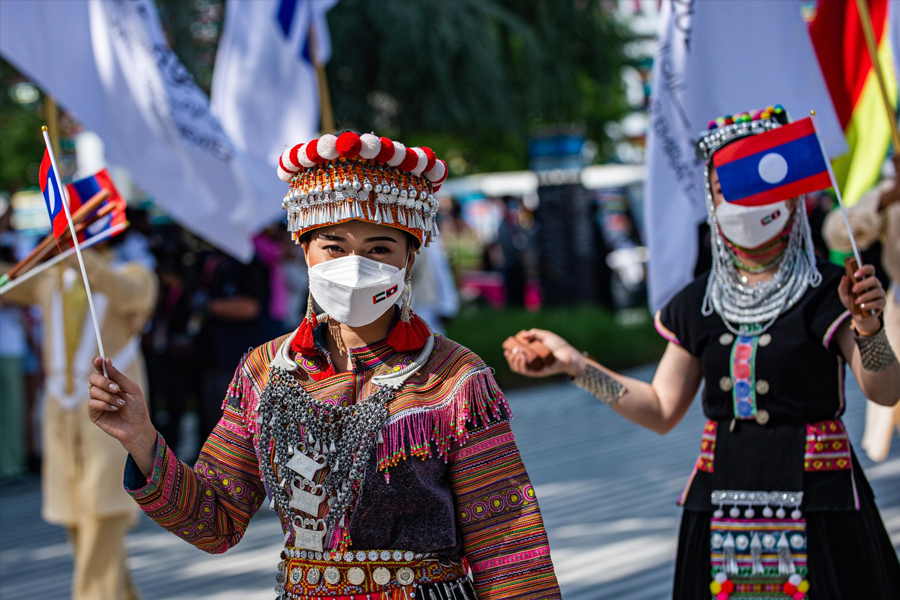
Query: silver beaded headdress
x=348 y=177
x=748 y=309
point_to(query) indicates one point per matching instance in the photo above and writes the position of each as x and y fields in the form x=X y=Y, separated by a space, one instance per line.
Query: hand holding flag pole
x=64 y=198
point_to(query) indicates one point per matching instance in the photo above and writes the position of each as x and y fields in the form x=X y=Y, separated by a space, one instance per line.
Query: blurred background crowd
x=499 y=261
x=543 y=111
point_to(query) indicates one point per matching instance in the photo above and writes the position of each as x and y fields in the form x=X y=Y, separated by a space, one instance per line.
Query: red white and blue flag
x=84 y=189
x=52 y=196
x=773 y=166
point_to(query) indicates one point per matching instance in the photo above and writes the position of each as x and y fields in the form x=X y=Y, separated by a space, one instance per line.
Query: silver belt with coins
x=370 y=575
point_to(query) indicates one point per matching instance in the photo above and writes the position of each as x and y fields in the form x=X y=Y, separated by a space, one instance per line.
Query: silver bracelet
x=875 y=351
x=601 y=385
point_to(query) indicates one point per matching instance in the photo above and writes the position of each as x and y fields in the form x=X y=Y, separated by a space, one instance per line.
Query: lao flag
x=52 y=196
x=84 y=189
x=773 y=166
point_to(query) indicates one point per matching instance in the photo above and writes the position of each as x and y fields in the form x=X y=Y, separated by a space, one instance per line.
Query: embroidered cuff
x=138 y=486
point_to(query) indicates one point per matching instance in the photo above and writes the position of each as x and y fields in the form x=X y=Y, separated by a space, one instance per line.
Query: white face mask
x=355 y=290
x=752 y=226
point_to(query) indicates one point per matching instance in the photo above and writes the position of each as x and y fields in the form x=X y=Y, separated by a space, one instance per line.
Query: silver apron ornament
x=303 y=465
x=309 y=539
x=304 y=501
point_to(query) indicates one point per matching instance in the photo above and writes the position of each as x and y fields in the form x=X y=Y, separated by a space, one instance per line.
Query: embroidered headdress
x=361 y=177
x=724 y=130
x=749 y=308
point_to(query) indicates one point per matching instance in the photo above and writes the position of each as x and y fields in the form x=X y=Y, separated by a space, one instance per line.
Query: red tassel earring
x=411 y=333
x=303 y=342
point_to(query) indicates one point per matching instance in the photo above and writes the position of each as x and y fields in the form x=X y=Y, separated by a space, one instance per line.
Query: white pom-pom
x=284 y=175
x=446 y=172
x=371 y=146
x=423 y=161
x=286 y=161
x=327 y=147
x=436 y=172
x=303 y=158
x=399 y=155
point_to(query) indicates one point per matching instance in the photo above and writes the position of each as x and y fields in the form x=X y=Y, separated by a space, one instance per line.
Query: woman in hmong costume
x=777 y=505
x=385 y=449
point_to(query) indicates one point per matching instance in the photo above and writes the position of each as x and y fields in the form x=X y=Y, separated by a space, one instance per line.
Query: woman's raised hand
x=870 y=297
x=568 y=359
x=118 y=408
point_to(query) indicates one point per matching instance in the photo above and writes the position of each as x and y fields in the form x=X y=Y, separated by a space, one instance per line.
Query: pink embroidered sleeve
x=497 y=510
x=211 y=504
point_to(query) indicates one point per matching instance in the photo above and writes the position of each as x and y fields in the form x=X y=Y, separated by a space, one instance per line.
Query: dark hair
x=411 y=240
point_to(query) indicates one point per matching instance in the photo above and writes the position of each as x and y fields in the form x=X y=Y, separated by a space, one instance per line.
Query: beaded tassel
x=731 y=567
x=785 y=560
x=756 y=555
x=410 y=333
x=303 y=342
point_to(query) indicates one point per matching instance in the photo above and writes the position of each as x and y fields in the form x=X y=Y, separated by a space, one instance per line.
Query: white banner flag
x=108 y=63
x=714 y=59
x=264 y=88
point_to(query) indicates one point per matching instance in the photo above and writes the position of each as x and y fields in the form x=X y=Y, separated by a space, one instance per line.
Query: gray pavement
x=607 y=490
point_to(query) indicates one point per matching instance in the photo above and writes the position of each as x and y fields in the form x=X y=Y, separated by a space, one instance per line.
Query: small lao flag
x=770 y=167
x=52 y=196
x=113 y=208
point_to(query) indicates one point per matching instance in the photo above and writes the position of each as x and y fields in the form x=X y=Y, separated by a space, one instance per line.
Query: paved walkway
x=607 y=489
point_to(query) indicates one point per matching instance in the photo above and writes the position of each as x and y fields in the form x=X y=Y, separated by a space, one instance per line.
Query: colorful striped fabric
x=497 y=509
x=211 y=505
x=452 y=409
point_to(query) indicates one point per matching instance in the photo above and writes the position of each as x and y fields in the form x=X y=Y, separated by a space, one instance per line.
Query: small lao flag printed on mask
x=381 y=296
x=770 y=167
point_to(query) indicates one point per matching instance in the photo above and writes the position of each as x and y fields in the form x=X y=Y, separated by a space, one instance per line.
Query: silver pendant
x=305 y=501
x=309 y=539
x=304 y=465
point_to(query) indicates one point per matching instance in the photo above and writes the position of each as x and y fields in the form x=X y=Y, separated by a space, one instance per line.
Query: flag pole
x=837 y=190
x=866 y=21
x=326 y=110
x=64 y=198
x=51 y=115
x=7 y=284
x=39 y=251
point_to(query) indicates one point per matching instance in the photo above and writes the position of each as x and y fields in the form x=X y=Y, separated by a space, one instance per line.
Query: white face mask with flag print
x=355 y=290
x=752 y=226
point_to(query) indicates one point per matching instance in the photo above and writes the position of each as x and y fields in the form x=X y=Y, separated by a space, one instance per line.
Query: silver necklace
x=339 y=437
x=748 y=309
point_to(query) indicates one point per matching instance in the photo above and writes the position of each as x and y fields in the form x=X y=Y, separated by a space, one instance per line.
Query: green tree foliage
x=21 y=146
x=473 y=78
x=470 y=78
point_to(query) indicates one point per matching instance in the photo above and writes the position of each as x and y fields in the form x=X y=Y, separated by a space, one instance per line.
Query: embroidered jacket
x=448 y=477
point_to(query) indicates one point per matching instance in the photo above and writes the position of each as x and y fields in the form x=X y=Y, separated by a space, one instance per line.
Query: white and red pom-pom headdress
x=361 y=177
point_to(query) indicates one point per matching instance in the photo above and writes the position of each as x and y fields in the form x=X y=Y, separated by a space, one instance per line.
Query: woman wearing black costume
x=777 y=505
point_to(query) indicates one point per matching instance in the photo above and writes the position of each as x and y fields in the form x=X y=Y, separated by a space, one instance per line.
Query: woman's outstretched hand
x=568 y=359
x=870 y=298
x=118 y=408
